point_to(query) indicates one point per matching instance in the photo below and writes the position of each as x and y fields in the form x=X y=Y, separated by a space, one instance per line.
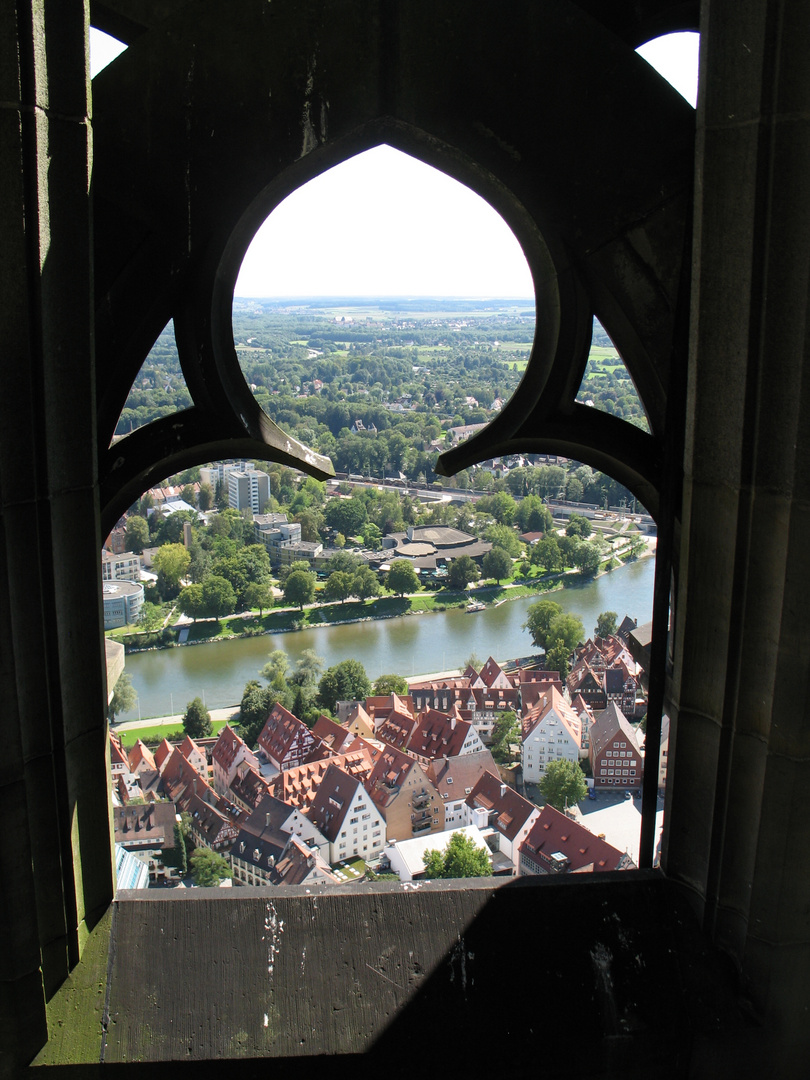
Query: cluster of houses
x=394 y=776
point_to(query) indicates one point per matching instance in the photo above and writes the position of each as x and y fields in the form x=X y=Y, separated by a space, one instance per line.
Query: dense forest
x=401 y=373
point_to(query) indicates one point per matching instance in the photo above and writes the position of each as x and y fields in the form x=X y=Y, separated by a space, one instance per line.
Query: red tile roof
x=298 y=787
x=438 y=735
x=553 y=833
x=332 y=800
x=553 y=700
x=226 y=748
x=139 y=755
x=281 y=733
x=509 y=811
x=608 y=725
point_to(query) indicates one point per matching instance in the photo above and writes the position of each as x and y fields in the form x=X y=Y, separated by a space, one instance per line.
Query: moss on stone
x=75 y=1012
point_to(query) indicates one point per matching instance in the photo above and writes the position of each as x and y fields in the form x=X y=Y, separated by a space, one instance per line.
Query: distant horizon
x=357 y=298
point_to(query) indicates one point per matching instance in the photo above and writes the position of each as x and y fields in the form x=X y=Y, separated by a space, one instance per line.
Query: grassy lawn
x=160 y=731
x=351 y=869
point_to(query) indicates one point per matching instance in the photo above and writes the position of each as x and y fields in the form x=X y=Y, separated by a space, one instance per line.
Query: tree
x=248 y=565
x=299 y=588
x=497 y=564
x=372 y=536
x=606 y=623
x=257 y=701
x=197 y=719
x=538 y=620
x=346 y=681
x=587 y=558
x=346 y=561
x=568 y=628
x=257 y=596
x=365 y=584
x=170 y=530
x=171 y=563
x=390 y=684
x=637 y=546
x=311 y=522
x=209 y=868
x=303 y=684
x=136 y=535
x=346 y=515
x=218 y=595
x=276 y=668
x=504 y=537
x=402 y=578
x=546 y=553
x=205 y=497
x=124 y=697
x=151 y=616
x=338 y=587
x=191 y=601
x=557 y=657
x=461 y=571
x=563 y=784
x=181 y=851
x=567 y=546
x=505 y=732
x=578 y=525
x=533 y=515
x=501 y=506
x=308 y=669
x=461 y=859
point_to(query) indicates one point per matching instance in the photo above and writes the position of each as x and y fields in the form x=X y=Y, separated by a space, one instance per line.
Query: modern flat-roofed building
x=123 y=601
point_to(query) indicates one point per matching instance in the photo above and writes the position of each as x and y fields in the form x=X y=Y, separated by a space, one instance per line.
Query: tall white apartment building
x=248 y=490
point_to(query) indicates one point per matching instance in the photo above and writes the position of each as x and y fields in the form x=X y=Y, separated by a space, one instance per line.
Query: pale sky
x=385 y=224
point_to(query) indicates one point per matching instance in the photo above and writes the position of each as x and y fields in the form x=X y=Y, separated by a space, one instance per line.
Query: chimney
x=503 y=790
x=267 y=820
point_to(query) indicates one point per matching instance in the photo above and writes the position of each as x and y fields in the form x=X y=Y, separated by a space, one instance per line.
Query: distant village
x=394 y=777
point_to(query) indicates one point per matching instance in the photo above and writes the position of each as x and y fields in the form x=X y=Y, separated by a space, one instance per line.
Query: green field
x=601 y=357
x=160 y=731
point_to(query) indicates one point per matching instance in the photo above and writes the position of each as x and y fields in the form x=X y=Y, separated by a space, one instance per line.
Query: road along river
x=167 y=679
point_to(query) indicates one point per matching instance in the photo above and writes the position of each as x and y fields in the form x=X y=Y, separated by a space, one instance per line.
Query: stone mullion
x=741 y=753
x=53 y=672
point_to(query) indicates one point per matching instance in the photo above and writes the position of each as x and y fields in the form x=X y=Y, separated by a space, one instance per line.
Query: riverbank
x=227 y=715
x=166 y=679
x=320 y=614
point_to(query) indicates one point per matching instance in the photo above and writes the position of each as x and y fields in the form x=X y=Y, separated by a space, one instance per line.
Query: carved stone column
x=739 y=838
x=55 y=862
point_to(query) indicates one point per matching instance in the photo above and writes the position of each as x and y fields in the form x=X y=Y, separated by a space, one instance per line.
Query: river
x=167 y=679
